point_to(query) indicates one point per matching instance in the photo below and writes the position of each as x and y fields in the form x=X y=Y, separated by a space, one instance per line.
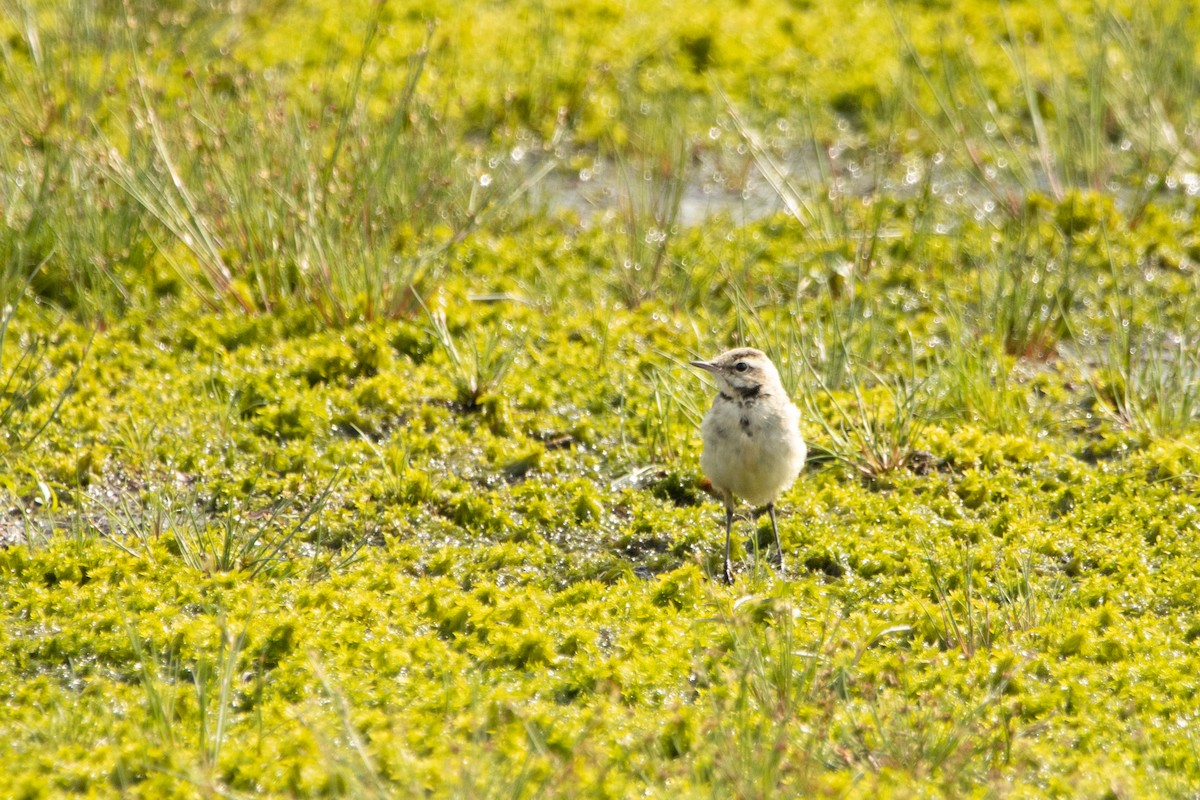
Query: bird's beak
x=704 y=365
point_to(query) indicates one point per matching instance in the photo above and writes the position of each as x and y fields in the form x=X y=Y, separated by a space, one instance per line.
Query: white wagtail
x=752 y=443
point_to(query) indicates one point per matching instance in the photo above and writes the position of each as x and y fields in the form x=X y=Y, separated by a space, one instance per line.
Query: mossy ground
x=431 y=523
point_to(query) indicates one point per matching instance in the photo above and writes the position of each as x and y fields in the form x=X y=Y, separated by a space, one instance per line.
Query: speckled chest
x=739 y=416
x=747 y=408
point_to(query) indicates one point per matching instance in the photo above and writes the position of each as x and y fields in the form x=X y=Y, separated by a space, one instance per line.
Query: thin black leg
x=775 y=530
x=728 y=535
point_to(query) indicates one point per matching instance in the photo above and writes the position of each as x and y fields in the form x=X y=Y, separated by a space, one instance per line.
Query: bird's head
x=744 y=372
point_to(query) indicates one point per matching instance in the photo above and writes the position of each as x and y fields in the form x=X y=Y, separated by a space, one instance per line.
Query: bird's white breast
x=752 y=448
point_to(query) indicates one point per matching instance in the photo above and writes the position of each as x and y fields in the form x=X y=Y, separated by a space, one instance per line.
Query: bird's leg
x=728 y=534
x=775 y=530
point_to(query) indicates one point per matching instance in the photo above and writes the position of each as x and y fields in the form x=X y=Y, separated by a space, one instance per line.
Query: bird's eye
x=741 y=366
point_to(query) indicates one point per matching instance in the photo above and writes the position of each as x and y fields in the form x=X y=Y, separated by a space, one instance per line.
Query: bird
x=753 y=448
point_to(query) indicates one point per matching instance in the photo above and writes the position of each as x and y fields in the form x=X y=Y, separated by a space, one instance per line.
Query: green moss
x=506 y=586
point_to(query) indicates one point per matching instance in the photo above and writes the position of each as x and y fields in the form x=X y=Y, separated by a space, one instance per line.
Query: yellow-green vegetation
x=348 y=446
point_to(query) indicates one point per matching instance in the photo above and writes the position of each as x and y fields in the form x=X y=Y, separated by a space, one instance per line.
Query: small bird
x=752 y=443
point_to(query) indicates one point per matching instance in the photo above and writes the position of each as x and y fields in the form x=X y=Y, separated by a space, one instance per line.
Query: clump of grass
x=823 y=203
x=484 y=765
x=216 y=682
x=1026 y=597
x=160 y=690
x=1148 y=381
x=964 y=617
x=1026 y=283
x=675 y=395
x=247 y=195
x=326 y=210
x=653 y=170
x=1031 y=294
x=1144 y=372
x=973 y=611
x=23 y=384
x=59 y=219
x=870 y=422
x=871 y=435
x=772 y=727
x=479 y=365
x=180 y=720
x=1110 y=112
x=954 y=740
x=346 y=754
x=233 y=537
x=976 y=382
x=1013 y=324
